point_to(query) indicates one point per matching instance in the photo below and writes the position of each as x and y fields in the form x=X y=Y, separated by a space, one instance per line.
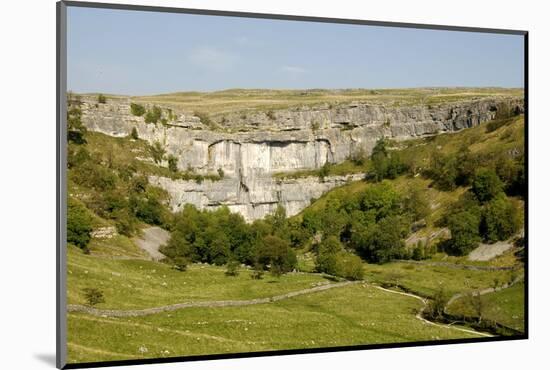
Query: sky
x=141 y=53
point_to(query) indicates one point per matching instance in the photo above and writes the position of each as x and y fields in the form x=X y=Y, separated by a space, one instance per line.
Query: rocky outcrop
x=250 y=148
x=260 y=197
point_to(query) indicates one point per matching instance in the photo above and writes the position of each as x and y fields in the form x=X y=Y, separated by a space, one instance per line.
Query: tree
x=443 y=172
x=416 y=203
x=277 y=253
x=157 y=151
x=79 y=224
x=436 y=306
x=464 y=226
x=486 y=185
x=75 y=129
x=500 y=220
x=327 y=256
x=93 y=296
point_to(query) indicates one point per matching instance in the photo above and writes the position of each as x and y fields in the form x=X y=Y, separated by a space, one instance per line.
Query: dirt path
x=205 y=304
x=151 y=240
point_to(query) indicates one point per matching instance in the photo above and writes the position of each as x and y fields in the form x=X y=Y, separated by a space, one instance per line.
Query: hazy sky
x=138 y=53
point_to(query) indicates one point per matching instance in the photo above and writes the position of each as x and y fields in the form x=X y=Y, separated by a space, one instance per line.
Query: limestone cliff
x=251 y=148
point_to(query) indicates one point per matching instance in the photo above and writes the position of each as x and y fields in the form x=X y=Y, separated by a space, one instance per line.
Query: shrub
x=350 y=266
x=180 y=263
x=257 y=272
x=221 y=173
x=157 y=151
x=325 y=170
x=137 y=109
x=79 y=224
x=205 y=119
x=93 y=296
x=436 y=306
x=134 y=134
x=315 y=126
x=486 y=185
x=153 y=115
x=271 y=115
x=172 y=163
x=101 y=99
x=232 y=268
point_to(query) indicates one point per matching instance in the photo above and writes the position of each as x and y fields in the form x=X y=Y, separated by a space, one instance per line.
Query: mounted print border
x=320 y=258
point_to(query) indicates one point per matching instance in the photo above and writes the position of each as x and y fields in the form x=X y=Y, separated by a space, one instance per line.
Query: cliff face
x=251 y=148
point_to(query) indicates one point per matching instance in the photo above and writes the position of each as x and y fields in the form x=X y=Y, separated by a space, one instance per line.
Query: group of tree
x=372 y=223
x=449 y=171
x=220 y=237
x=386 y=164
x=484 y=213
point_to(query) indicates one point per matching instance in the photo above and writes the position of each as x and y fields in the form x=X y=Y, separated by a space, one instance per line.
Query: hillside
x=372 y=256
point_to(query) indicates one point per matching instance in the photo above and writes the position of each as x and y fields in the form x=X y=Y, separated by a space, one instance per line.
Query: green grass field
x=504 y=307
x=134 y=283
x=343 y=316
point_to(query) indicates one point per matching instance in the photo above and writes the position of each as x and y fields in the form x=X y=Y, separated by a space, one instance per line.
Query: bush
x=324 y=171
x=137 y=109
x=101 y=99
x=257 y=272
x=134 y=134
x=79 y=224
x=350 y=266
x=232 y=268
x=157 y=151
x=93 y=296
x=172 y=163
x=205 y=119
x=221 y=174
x=271 y=115
x=486 y=185
x=153 y=115
x=436 y=306
x=180 y=263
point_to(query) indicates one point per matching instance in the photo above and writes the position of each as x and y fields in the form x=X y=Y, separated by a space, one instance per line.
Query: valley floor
x=346 y=314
